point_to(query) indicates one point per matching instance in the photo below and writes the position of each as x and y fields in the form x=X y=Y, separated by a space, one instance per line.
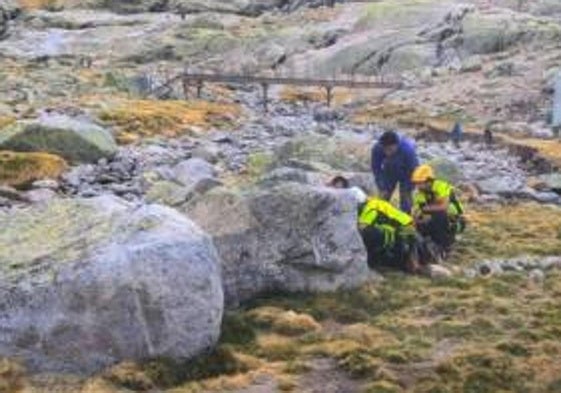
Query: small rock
x=324 y=129
x=490 y=268
x=439 y=271
x=208 y=153
x=472 y=64
x=536 y=276
x=327 y=115
x=46 y=183
x=190 y=171
x=40 y=195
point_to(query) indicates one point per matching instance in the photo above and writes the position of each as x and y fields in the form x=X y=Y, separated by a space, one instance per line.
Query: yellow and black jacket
x=440 y=190
x=384 y=216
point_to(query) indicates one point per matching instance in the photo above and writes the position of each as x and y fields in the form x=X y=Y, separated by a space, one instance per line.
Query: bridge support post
x=185 y=84
x=265 y=88
x=329 y=94
x=199 y=88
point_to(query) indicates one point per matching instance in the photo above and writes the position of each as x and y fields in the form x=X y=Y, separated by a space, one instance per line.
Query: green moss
x=359 y=363
x=237 y=329
x=514 y=348
x=383 y=387
x=391 y=11
x=167 y=372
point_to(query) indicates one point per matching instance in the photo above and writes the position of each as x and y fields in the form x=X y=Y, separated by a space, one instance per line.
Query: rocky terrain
x=150 y=242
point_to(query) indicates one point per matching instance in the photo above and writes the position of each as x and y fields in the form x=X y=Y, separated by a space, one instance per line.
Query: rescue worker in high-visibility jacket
x=389 y=235
x=437 y=211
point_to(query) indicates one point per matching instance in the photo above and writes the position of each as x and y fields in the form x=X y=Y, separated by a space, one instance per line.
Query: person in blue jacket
x=394 y=159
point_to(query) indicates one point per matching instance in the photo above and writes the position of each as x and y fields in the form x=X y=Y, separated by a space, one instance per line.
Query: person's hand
x=385 y=195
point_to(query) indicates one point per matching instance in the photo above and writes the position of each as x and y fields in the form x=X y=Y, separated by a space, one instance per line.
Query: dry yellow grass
x=368 y=335
x=39 y=4
x=276 y=347
x=167 y=118
x=18 y=169
x=11 y=376
x=510 y=230
x=315 y=94
x=284 y=322
x=6 y=120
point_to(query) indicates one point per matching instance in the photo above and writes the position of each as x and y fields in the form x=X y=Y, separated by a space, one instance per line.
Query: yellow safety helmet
x=422 y=174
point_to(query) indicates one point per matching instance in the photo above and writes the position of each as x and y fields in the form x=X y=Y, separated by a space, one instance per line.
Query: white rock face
x=86 y=283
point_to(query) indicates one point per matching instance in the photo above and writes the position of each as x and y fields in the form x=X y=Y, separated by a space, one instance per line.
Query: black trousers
x=396 y=256
x=439 y=229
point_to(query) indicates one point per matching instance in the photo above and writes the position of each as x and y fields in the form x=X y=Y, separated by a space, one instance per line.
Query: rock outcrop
x=290 y=237
x=72 y=139
x=86 y=283
x=8 y=10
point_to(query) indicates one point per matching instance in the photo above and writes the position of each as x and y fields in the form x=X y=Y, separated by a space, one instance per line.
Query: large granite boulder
x=71 y=138
x=289 y=237
x=86 y=283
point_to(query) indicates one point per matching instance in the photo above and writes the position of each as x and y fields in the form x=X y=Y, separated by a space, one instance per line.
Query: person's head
x=390 y=142
x=339 y=182
x=422 y=177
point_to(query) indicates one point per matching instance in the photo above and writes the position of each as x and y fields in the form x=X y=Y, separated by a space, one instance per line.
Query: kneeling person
x=389 y=235
x=438 y=212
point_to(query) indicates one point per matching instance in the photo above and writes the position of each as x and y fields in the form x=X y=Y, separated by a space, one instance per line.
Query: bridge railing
x=198 y=79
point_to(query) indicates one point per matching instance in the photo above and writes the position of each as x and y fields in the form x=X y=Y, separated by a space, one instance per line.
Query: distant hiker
x=437 y=211
x=394 y=159
x=456 y=134
x=488 y=136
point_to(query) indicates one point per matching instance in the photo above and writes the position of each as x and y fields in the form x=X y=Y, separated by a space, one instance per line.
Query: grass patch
x=284 y=322
x=21 y=169
x=276 y=347
x=147 y=118
x=298 y=94
x=509 y=231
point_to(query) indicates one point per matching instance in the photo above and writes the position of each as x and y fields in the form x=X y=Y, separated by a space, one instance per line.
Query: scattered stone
x=439 y=271
x=549 y=182
x=325 y=115
x=472 y=64
x=149 y=276
x=46 y=183
x=208 y=153
x=537 y=276
x=192 y=170
x=502 y=186
x=40 y=195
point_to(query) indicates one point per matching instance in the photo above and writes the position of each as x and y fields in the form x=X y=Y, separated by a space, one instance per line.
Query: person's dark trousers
x=437 y=228
x=380 y=256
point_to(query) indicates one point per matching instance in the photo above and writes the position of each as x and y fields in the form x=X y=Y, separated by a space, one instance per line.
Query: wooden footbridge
x=189 y=80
